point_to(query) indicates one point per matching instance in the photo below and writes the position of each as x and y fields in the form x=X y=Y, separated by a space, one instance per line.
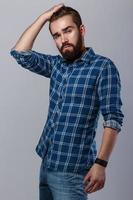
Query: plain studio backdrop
x=24 y=95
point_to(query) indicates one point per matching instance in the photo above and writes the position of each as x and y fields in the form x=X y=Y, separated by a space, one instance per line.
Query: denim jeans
x=60 y=185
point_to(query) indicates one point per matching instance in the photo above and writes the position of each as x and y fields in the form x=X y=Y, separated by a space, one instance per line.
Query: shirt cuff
x=112 y=124
x=21 y=56
x=16 y=53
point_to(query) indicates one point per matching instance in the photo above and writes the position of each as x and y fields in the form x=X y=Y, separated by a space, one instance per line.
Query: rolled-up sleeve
x=36 y=62
x=109 y=88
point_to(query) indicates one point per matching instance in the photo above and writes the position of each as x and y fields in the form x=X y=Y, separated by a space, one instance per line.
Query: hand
x=50 y=12
x=95 y=179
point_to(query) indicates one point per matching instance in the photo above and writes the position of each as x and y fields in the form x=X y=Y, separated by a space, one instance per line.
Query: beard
x=70 y=51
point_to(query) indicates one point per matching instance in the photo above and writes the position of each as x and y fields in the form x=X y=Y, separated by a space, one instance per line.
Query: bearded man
x=82 y=84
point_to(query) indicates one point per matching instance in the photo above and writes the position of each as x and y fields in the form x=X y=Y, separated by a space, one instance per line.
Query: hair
x=65 y=10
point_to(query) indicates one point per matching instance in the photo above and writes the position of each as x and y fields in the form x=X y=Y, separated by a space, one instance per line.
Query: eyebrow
x=64 y=29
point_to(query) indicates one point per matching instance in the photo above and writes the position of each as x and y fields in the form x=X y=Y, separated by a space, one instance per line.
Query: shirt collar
x=86 y=57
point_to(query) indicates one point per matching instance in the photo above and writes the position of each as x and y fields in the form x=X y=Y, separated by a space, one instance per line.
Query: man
x=82 y=84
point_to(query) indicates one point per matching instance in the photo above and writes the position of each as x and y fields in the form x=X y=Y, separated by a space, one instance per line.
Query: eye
x=68 y=31
x=56 y=36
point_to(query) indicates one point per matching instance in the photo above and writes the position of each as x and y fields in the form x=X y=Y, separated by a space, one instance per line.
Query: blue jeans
x=60 y=186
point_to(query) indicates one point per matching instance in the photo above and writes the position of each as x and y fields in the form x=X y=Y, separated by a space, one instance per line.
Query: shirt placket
x=54 y=125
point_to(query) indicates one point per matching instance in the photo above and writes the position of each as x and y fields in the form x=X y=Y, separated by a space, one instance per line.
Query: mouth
x=67 y=46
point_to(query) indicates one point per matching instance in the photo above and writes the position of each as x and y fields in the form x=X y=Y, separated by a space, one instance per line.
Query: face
x=68 y=37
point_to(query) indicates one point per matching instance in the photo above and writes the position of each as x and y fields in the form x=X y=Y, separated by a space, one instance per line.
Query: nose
x=63 y=39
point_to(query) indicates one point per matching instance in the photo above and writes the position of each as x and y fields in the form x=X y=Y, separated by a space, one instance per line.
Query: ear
x=82 y=29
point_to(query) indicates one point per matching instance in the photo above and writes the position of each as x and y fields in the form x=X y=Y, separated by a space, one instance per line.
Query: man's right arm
x=27 y=39
x=22 y=51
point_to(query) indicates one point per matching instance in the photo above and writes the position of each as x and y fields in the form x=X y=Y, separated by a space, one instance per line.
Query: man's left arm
x=109 y=87
x=96 y=175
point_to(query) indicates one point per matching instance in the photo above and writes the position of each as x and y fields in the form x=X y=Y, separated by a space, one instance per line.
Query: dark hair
x=65 y=10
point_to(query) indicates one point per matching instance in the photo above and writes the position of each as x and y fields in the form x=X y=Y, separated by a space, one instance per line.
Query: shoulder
x=103 y=59
x=104 y=62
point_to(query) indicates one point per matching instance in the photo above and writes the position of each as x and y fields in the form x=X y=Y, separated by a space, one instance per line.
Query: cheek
x=74 y=38
x=58 y=44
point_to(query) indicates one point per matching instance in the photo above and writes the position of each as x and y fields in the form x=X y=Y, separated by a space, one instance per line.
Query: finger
x=94 y=188
x=89 y=185
x=61 y=4
x=58 y=6
x=87 y=178
x=98 y=186
x=101 y=186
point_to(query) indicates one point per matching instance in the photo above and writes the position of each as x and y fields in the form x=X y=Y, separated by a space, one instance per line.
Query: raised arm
x=36 y=62
x=28 y=37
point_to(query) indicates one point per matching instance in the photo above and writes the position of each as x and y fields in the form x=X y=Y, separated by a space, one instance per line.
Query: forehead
x=62 y=23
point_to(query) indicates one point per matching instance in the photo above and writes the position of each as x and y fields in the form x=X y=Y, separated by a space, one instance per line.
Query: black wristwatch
x=101 y=162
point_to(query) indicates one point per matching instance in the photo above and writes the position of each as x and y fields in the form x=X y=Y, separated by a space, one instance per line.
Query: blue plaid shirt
x=78 y=91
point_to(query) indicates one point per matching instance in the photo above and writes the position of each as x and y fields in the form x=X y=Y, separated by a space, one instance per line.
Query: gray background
x=24 y=95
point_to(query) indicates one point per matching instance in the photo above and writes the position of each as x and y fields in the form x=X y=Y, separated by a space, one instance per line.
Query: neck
x=83 y=50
